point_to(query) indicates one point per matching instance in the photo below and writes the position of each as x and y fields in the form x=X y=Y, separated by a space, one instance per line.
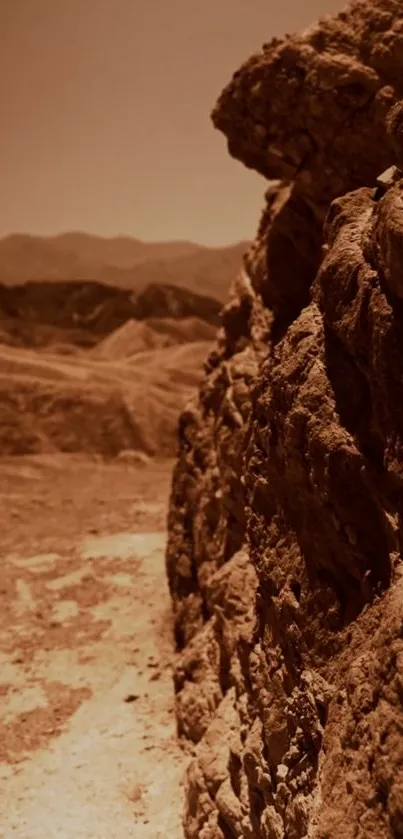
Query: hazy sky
x=104 y=114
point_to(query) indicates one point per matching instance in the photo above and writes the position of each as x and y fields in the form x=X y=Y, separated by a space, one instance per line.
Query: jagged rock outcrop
x=284 y=556
x=312 y=109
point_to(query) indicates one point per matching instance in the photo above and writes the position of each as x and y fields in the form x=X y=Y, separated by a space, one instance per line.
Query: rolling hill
x=39 y=313
x=102 y=341
x=49 y=403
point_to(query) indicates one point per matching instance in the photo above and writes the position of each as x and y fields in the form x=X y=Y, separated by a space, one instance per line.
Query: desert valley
x=201 y=448
x=102 y=344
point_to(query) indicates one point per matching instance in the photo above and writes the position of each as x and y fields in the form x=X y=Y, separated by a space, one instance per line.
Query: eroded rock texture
x=286 y=522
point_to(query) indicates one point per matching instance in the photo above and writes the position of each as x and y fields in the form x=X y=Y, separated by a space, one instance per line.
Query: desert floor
x=87 y=733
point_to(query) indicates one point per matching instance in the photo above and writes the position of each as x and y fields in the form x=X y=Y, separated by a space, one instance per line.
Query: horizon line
x=116 y=236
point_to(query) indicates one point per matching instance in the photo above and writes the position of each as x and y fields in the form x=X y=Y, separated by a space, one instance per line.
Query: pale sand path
x=85 y=629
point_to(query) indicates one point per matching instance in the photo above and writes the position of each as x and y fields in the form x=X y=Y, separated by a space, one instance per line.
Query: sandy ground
x=87 y=730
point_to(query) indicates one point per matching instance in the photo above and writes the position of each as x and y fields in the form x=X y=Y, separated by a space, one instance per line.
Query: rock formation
x=284 y=555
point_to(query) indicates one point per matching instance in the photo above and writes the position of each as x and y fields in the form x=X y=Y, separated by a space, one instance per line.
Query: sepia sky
x=105 y=109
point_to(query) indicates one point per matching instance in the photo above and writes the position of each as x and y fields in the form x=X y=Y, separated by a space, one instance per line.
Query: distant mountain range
x=120 y=261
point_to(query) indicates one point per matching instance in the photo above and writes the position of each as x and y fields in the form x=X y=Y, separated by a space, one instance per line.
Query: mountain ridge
x=33 y=314
x=123 y=261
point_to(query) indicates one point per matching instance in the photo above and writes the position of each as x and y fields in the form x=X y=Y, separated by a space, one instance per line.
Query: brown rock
x=303 y=108
x=285 y=530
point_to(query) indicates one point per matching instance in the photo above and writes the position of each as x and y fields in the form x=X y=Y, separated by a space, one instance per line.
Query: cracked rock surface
x=284 y=555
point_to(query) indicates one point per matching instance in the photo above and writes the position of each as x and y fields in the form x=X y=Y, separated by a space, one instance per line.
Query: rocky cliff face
x=286 y=522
